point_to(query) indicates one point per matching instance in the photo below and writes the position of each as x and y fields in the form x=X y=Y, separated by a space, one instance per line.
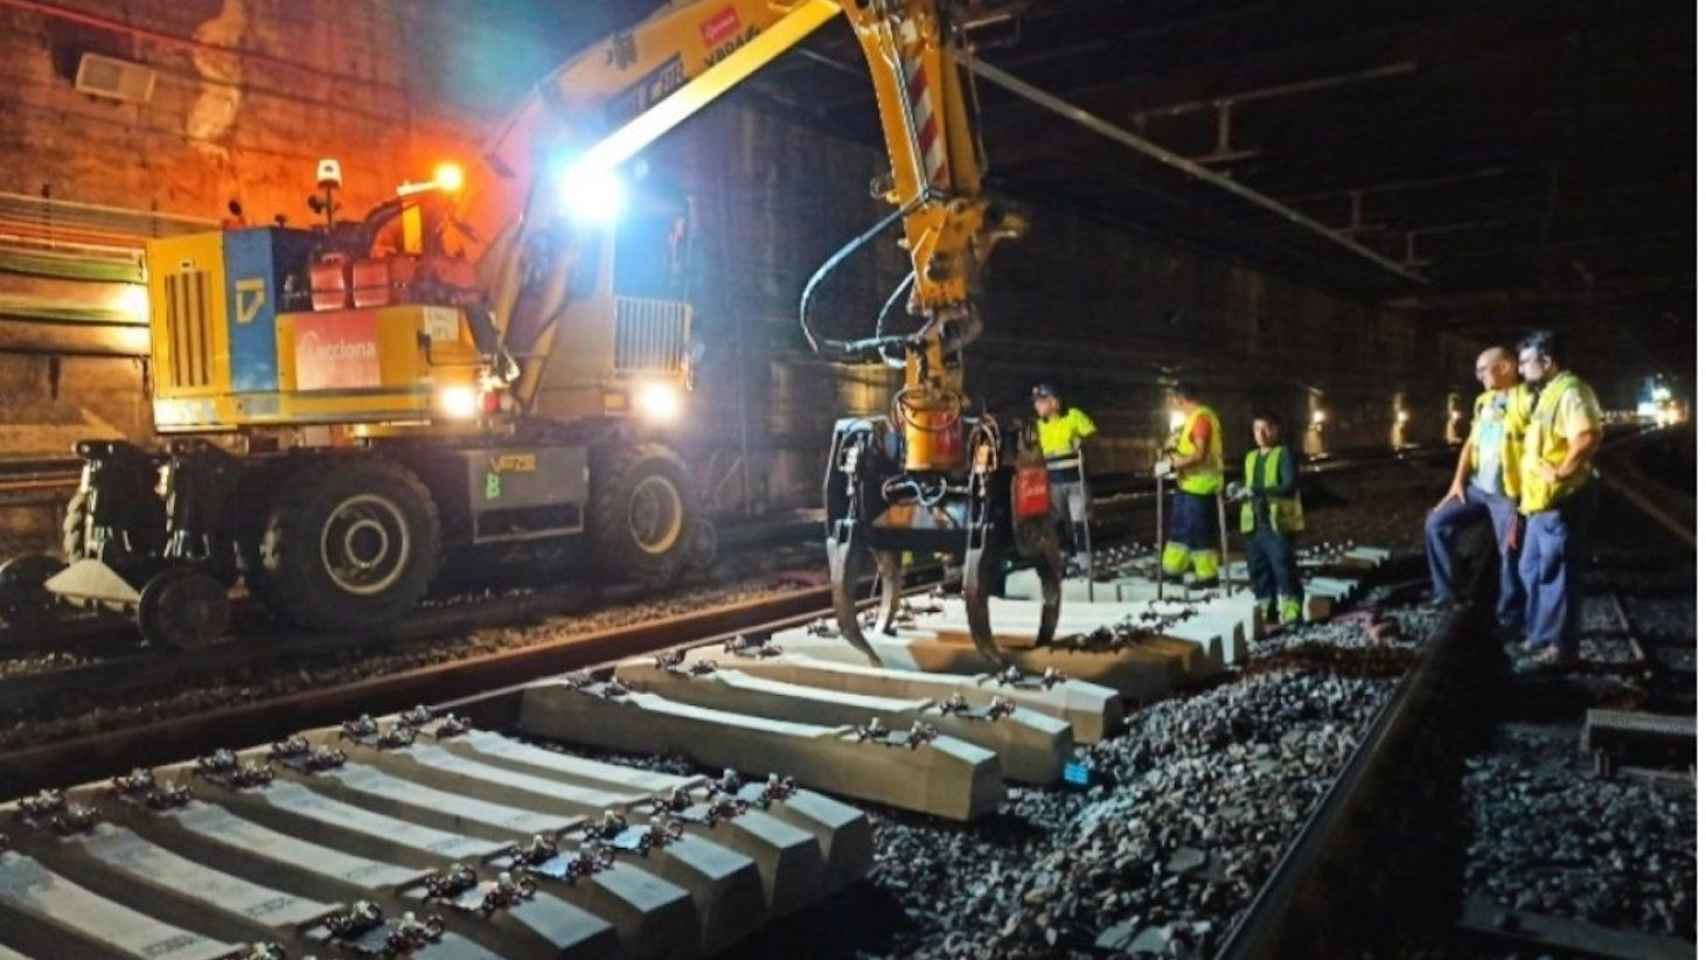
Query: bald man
x=1486 y=486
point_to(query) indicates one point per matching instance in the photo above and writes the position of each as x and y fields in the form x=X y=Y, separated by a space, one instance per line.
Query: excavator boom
x=602 y=108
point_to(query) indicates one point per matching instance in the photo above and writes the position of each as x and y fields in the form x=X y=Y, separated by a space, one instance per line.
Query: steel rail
x=1269 y=925
x=111 y=752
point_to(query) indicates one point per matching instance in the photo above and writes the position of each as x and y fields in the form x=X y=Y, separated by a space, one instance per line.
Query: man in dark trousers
x=1485 y=487
x=1560 y=496
x=1270 y=519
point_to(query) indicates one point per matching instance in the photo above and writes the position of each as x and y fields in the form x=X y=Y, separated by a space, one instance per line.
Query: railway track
x=1181 y=655
x=168 y=845
x=1312 y=906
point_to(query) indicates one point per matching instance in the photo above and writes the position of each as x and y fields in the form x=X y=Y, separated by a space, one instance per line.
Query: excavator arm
x=581 y=124
x=927 y=479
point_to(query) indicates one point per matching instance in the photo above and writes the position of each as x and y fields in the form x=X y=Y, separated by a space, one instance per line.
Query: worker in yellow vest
x=1270 y=520
x=1061 y=435
x=1559 y=499
x=1485 y=487
x=1194 y=456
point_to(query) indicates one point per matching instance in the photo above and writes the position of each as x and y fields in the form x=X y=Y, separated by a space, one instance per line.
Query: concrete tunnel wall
x=389 y=87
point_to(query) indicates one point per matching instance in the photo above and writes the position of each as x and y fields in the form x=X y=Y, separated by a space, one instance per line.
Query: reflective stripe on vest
x=1205 y=477
x=1285 y=513
x=1510 y=450
x=1542 y=443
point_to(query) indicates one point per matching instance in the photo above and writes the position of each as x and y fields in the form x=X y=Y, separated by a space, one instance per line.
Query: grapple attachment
x=987 y=519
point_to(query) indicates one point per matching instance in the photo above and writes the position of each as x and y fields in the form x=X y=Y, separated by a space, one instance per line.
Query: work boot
x=1548 y=660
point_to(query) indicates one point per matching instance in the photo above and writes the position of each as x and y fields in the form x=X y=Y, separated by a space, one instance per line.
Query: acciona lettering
x=340 y=349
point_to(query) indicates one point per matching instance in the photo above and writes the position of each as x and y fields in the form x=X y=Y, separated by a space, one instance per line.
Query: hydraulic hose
x=888 y=305
x=841 y=346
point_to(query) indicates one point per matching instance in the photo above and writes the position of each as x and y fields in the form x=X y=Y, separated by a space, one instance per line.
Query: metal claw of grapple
x=982 y=567
x=844 y=556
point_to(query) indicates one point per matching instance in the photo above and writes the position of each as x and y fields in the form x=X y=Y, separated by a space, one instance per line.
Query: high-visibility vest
x=1059 y=436
x=1542 y=443
x=1205 y=477
x=1285 y=513
x=1517 y=409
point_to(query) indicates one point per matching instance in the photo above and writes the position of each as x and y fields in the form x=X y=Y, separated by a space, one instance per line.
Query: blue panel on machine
x=251 y=305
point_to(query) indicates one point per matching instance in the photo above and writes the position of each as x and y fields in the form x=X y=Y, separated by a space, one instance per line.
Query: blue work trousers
x=1554 y=556
x=1441 y=531
x=1272 y=557
x=1193 y=521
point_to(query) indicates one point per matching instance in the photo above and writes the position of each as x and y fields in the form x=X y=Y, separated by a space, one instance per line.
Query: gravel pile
x=1549 y=839
x=1201 y=795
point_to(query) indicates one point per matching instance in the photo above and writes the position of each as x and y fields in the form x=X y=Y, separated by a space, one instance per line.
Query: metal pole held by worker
x=1225 y=558
x=1089 y=547
x=1160 y=531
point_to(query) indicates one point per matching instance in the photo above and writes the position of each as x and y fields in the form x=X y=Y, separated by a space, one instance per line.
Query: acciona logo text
x=340 y=349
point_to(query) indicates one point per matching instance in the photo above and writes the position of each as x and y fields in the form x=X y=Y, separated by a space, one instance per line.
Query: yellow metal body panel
x=365 y=366
x=186 y=320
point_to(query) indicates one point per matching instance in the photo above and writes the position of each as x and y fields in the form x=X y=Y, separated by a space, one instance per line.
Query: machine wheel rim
x=365 y=544
x=656 y=515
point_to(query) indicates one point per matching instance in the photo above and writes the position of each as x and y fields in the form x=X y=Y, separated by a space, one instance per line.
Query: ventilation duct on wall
x=114 y=79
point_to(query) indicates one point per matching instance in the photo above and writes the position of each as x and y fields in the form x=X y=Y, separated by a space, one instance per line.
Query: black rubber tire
x=74 y=530
x=296 y=582
x=259 y=488
x=617 y=475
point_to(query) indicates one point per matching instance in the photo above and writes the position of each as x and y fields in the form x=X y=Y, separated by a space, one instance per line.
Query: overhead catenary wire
x=1190 y=168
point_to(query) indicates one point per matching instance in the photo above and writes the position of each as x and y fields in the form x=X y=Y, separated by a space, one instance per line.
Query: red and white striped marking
x=931 y=144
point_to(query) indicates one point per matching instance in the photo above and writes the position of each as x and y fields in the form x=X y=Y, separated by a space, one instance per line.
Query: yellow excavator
x=347 y=403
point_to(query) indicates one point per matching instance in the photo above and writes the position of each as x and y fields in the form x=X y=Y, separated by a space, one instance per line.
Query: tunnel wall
x=389 y=86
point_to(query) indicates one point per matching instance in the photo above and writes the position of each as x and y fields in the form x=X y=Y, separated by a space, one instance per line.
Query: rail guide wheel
x=25 y=601
x=183 y=609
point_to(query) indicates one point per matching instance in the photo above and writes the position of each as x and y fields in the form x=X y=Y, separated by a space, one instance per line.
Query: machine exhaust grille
x=651 y=335
x=114 y=79
x=188 y=330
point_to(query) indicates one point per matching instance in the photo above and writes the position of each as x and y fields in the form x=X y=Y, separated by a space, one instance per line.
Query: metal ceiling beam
x=1162 y=155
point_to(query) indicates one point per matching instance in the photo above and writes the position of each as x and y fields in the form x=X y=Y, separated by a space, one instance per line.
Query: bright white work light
x=591 y=195
x=659 y=401
x=459 y=401
x=1176 y=420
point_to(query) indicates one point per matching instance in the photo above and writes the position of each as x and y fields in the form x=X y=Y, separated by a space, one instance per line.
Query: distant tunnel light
x=1318 y=417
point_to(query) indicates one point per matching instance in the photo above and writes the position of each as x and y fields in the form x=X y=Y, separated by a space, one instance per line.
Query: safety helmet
x=1042 y=390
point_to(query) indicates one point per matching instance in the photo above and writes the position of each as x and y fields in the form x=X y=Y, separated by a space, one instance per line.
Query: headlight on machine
x=459 y=402
x=659 y=401
x=591 y=195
